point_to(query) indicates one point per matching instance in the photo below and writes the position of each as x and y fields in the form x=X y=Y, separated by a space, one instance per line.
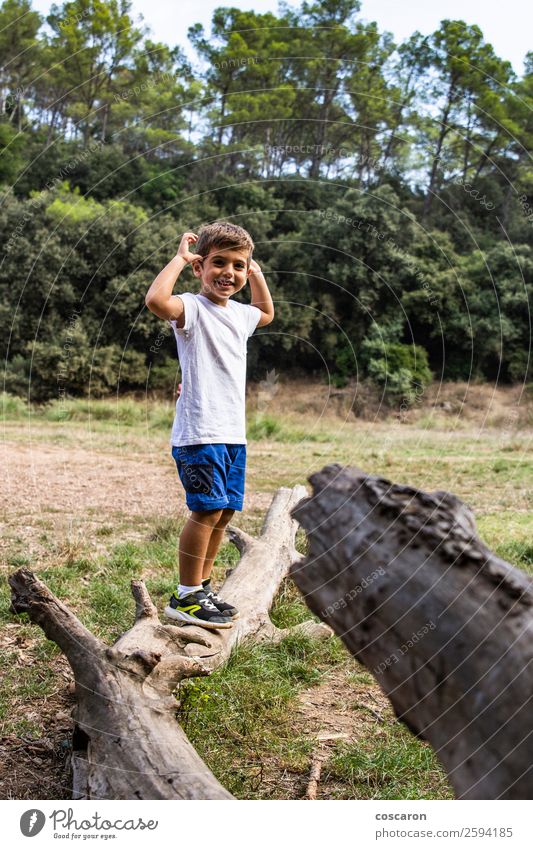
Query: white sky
x=507 y=26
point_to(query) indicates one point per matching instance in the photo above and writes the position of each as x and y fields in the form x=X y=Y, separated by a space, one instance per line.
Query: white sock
x=184 y=590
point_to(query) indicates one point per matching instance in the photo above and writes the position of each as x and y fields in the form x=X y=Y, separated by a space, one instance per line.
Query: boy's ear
x=196 y=265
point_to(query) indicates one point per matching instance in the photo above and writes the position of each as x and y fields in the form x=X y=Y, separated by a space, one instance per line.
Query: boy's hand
x=255 y=268
x=183 y=250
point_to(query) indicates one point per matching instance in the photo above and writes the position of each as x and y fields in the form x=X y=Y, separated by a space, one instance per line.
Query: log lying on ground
x=127 y=742
x=444 y=624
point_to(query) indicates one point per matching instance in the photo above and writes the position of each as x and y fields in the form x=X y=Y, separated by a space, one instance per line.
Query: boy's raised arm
x=261 y=297
x=159 y=298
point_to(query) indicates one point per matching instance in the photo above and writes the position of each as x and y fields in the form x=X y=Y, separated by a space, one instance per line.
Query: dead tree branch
x=444 y=624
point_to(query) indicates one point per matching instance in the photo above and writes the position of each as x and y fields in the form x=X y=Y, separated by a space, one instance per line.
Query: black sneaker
x=196 y=609
x=225 y=608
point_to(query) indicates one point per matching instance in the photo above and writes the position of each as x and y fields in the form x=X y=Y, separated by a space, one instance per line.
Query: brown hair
x=223 y=235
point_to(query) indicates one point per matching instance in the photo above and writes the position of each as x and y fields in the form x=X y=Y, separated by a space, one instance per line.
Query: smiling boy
x=209 y=433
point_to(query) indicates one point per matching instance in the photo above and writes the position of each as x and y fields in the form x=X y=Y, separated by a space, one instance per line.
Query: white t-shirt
x=212 y=355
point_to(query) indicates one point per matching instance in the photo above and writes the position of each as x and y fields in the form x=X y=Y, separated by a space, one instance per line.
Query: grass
x=393 y=765
x=152 y=415
x=241 y=719
x=265 y=426
x=289 y=609
x=122 y=411
x=12 y=407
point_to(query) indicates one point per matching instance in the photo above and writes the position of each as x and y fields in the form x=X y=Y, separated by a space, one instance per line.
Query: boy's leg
x=217 y=535
x=205 y=472
x=194 y=544
x=212 y=549
x=191 y=603
x=234 y=468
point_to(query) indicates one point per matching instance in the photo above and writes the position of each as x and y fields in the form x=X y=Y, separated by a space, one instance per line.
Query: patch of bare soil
x=54 y=492
x=76 y=480
x=39 y=767
x=338 y=710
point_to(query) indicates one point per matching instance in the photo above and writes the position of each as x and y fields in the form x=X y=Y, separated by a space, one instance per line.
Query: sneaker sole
x=180 y=616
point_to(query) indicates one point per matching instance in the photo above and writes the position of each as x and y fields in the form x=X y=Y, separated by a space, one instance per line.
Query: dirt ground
x=72 y=493
x=39 y=769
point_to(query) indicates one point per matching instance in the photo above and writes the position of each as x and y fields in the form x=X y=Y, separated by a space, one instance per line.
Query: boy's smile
x=223 y=273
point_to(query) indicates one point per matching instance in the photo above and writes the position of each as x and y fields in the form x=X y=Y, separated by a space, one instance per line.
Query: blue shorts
x=212 y=475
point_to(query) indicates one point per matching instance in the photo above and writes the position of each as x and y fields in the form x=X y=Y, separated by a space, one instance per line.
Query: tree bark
x=444 y=624
x=127 y=742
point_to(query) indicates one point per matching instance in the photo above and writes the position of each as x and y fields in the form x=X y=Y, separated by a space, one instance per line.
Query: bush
x=401 y=371
x=264 y=427
x=345 y=364
x=165 y=376
x=72 y=366
x=13 y=407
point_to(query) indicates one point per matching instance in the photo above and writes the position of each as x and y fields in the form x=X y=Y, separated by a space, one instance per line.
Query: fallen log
x=127 y=743
x=444 y=624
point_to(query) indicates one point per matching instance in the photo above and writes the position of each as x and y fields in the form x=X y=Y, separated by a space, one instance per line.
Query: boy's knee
x=227 y=514
x=207 y=517
x=218 y=518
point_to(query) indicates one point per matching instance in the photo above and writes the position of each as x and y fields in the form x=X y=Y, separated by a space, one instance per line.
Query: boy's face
x=223 y=272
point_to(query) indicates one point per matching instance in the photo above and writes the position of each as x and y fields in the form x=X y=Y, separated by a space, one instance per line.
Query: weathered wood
x=127 y=742
x=444 y=624
x=314 y=776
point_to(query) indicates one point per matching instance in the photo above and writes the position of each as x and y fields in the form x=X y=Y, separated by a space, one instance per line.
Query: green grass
x=125 y=412
x=239 y=717
x=289 y=608
x=28 y=677
x=509 y=533
x=12 y=407
x=122 y=411
x=392 y=765
x=517 y=552
x=265 y=426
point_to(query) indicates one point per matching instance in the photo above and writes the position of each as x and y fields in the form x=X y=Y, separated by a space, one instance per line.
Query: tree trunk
x=444 y=624
x=443 y=132
x=127 y=743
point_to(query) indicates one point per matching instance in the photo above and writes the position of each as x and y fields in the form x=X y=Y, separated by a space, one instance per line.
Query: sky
x=507 y=26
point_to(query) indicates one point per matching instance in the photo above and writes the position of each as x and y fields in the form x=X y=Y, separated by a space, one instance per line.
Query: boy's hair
x=223 y=235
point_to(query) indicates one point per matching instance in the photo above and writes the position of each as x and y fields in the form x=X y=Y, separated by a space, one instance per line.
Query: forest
x=388 y=188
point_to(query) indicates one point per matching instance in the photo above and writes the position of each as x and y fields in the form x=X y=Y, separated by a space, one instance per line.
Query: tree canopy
x=388 y=187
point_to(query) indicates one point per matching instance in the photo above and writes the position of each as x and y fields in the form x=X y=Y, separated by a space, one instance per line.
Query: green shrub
x=73 y=366
x=165 y=376
x=13 y=407
x=401 y=371
x=264 y=427
x=345 y=364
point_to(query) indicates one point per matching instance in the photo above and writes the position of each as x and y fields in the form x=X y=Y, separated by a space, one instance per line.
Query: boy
x=208 y=436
